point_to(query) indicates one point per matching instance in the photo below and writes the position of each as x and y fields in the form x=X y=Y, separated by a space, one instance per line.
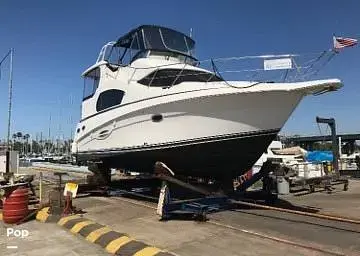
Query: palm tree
x=26 y=138
x=19 y=135
x=14 y=136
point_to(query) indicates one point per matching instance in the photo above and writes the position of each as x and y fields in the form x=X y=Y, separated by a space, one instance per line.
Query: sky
x=55 y=41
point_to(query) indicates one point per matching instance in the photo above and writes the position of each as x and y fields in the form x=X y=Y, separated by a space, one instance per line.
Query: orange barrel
x=15 y=205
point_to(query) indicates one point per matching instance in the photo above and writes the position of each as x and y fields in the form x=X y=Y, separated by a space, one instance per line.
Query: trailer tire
x=271 y=199
x=102 y=173
x=312 y=188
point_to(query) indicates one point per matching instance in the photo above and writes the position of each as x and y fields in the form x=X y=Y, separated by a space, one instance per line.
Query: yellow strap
x=93 y=236
x=115 y=245
x=78 y=226
x=148 y=251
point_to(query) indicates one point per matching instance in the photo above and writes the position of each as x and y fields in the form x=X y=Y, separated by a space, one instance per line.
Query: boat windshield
x=157 y=38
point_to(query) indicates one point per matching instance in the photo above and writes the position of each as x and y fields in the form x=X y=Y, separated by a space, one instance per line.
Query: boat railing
x=180 y=73
x=153 y=77
x=104 y=50
x=265 y=68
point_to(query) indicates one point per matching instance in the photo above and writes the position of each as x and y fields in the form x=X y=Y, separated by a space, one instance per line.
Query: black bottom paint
x=222 y=159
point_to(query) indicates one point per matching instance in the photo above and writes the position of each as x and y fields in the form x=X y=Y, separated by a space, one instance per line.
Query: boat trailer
x=207 y=200
x=197 y=208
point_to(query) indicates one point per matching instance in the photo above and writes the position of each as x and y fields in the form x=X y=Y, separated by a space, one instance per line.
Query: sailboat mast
x=49 y=136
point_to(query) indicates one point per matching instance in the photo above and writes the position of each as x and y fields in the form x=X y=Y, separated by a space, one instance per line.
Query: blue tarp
x=319 y=156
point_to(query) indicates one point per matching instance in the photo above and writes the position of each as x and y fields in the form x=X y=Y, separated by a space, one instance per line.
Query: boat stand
x=210 y=202
x=196 y=208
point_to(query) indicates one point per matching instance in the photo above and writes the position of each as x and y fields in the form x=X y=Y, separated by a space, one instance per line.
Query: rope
x=230 y=85
x=326 y=62
x=313 y=61
x=315 y=71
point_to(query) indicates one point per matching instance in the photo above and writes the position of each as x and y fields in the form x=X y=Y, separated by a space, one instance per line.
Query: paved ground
x=46 y=239
x=181 y=237
x=343 y=203
x=188 y=238
x=236 y=232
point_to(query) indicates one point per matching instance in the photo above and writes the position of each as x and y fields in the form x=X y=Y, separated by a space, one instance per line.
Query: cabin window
x=91 y=83
x=168 y=77
x=152 y=38
x=109 y=98
x=134 y=47
x=133 y=50
x=175 y=41
x=113 y=55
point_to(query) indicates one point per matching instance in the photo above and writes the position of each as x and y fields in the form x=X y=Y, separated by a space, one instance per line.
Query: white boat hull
x=191 y=119
x=229 y=121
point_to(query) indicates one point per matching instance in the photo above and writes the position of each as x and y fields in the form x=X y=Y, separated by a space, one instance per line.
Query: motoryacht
x=148 y=99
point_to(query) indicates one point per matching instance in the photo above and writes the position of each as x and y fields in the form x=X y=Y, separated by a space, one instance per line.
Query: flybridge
x=146 y=39
x=149 y=37
x=175 y=48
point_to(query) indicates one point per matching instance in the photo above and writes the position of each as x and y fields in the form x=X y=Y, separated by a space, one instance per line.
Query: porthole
x=157 y=118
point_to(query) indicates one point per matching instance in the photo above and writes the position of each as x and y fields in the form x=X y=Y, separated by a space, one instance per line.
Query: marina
x=254 y=229
x=170 y=149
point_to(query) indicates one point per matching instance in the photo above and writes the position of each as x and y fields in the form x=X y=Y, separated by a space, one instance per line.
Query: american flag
x=342 y=42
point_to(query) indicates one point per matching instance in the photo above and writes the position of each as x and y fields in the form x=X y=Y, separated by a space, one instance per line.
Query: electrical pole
x=8 y=146
x=10 y=98
x=11 y=54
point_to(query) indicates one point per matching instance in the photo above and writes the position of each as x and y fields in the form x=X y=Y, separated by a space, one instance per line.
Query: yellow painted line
x=148 y=251
x=97 y=233
x=42 y=216
x=45 y=209
x=46 y=169
x=78 y=226
x=115 y=245
x=63 y=220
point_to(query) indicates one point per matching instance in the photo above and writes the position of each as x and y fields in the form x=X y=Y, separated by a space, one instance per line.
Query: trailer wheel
x=271 y=199
x=102 y=173
x=312 y=188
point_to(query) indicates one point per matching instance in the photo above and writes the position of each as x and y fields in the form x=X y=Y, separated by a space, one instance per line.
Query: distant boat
x=350 y=162
x=33 y=159
x=275 y=151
